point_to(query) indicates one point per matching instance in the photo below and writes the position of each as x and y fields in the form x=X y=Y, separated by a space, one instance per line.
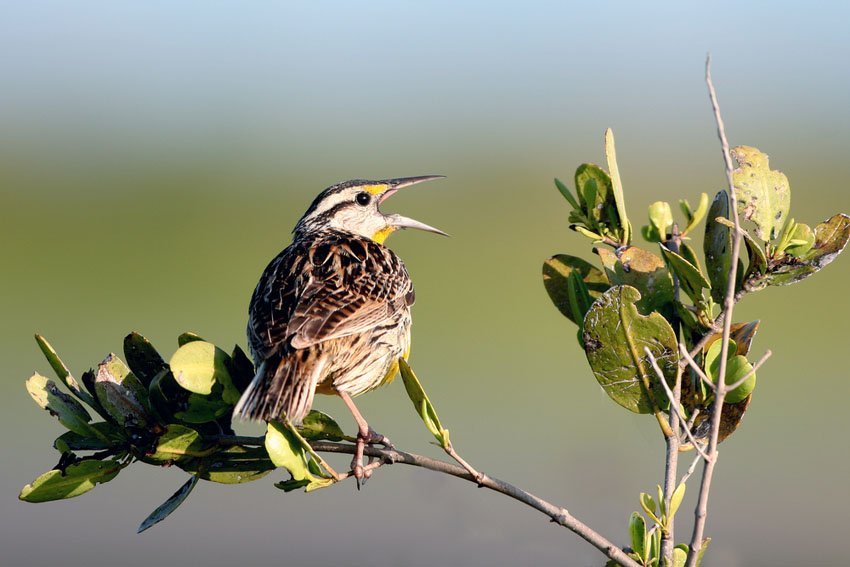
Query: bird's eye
x=363 y=198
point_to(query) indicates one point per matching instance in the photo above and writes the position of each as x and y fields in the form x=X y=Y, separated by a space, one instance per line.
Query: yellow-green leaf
x=763 y=195
x=422 y=404
x=77 y=479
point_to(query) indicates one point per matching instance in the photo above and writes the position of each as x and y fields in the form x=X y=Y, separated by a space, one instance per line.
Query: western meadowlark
x=331 y=312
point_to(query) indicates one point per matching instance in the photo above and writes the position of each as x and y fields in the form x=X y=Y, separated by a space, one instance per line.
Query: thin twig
x=673 y=404
x=729 y=299
x=745 y=377
x=557 y=514
x=691 y=469
x=692 y=363
x=479 y=476
x=693 y=419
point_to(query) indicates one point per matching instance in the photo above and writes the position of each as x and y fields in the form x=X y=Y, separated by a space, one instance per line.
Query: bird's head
x=355 y=206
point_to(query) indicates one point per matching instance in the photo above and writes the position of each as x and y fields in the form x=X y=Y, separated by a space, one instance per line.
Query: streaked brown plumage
x=331 y=312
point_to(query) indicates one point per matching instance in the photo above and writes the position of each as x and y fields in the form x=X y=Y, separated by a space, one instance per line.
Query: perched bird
x=331 y=312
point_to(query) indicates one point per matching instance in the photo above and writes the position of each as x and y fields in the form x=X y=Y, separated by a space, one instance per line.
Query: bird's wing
x=360 y=286
x=315 y=292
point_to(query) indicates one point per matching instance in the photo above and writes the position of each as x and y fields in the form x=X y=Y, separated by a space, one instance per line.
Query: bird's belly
x=363 y=362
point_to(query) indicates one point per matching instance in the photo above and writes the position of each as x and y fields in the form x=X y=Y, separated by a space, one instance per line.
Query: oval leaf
x=199 y=365
x=615 y=336
x=691 y=279
x=763 y=195
x=77 y=479
x=556 y=274
x=717 y=247
x=70 y=412
x=637 y=534
x=318 y=425
x=142 y=358
x=62 y=371
x=643 y=270
x=234 y=465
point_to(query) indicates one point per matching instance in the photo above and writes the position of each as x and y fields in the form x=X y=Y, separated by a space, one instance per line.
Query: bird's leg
x=365 y=435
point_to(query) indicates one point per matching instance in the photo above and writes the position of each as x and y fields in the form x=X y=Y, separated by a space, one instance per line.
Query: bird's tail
x=282 y=387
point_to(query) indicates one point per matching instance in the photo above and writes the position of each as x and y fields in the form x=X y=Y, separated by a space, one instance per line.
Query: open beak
x=398 y=221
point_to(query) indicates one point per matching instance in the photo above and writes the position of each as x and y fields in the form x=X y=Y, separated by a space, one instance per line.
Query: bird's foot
x=375 y=438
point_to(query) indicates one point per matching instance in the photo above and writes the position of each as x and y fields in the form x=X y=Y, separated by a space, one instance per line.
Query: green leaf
x=642 y=270
x=285 y=450
x=77 y=479
x=691 y=279
x=737 y=367
x=763 y=195
x=121 y=393
x=422 y=404
x=557 y=271
x=702 y=550
x=187 y=338
x=566 y=193
x=171 y=401
x=233 y=465
x=650 y=233
x=637 y=534
x=831 y=237
x=69 y=411
x=661 y=218
x=107 y=436
x=203 y=409
x=199 y=365
x=757 y=258
x=62 y=371
x=584 y=232
x=167 y=507
x=696 y=217
x=649 y=506
x=617 y=187
x=802 y=241
x=142 y=358
x=680 y=557
x=615 y=336
x=676 y=500
x=176 y=443
x=717 y=246
x=318 y=425
x=593 y=187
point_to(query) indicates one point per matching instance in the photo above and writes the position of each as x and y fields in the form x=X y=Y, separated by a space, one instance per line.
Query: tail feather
x=281 y=387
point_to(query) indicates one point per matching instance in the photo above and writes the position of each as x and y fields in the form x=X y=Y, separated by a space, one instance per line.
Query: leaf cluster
x=637 y=308
x=177 y=413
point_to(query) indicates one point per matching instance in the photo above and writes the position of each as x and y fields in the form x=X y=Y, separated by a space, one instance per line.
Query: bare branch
x=557 y=514
x=674 y=403
x=729 y=300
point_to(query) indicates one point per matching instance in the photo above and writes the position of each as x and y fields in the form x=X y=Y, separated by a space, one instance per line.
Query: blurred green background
x=154 y=156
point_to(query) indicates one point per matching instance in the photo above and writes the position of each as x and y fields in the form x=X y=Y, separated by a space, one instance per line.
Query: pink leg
x=365 y=434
